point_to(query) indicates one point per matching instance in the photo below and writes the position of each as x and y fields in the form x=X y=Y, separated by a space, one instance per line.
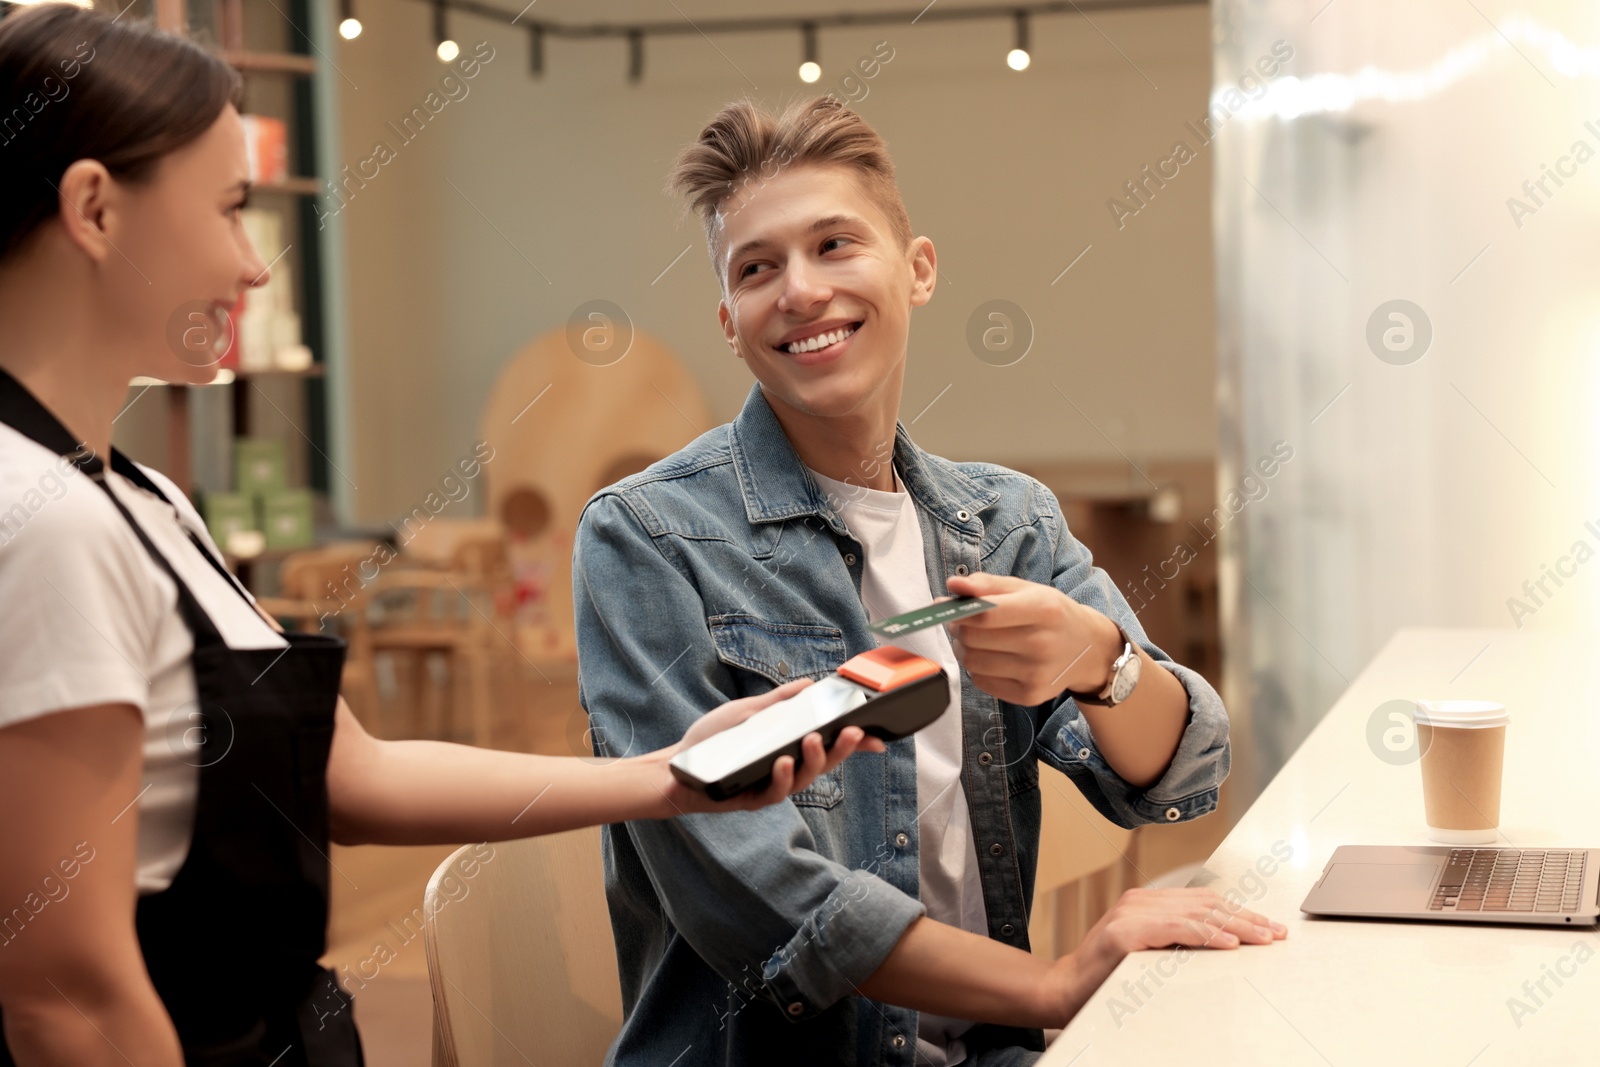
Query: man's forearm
x=1139 y=736
x=944 y=970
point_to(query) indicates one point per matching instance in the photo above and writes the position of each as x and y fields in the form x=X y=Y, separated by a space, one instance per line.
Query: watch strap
x=1101 y=699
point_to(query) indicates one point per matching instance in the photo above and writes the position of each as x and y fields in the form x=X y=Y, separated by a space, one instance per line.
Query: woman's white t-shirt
x=88 y=617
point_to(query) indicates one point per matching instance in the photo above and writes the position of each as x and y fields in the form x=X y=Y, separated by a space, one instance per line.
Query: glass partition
x=1408 y=317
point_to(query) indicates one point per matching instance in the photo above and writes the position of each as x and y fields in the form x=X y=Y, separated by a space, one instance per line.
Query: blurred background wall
x=530 y=197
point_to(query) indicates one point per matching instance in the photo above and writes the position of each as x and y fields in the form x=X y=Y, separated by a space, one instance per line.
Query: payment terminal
x=890 y=693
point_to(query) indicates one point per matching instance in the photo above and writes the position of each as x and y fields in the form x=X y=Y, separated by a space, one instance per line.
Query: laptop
x=1544 y=886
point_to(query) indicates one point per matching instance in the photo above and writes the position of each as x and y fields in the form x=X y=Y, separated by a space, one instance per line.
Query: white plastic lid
x=1462 y=714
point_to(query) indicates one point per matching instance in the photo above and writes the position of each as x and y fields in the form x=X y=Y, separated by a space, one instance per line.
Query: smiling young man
x=879 y=917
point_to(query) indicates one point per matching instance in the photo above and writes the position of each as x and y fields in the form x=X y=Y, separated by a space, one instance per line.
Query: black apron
x=232 y=944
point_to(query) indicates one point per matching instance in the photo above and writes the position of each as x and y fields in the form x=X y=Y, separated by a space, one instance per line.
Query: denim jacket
x=721 y=572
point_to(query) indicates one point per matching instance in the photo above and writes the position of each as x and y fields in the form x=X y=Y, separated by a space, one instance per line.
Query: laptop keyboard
x=1510 y=879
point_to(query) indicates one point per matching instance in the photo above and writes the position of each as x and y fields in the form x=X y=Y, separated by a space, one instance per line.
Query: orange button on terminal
x=887 y=668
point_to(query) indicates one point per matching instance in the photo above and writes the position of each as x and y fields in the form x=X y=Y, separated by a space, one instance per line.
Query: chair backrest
x=520 y=954
x=331 y=571
x=447 y=543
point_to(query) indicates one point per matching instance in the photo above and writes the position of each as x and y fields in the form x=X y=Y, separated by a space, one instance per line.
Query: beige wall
x=1008 y=173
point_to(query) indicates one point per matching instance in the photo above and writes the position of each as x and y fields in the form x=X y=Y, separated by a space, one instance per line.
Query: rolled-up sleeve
x=1191 y=784
x=747 y=890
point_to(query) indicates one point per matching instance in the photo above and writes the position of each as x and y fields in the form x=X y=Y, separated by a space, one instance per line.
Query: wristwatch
x=1124 y=676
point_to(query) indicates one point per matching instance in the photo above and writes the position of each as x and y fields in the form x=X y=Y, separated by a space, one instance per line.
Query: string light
x=1018 y=58
x=536 y=49
x=635 y=56
x=349 y=25
x=447 y=49
x=810 y=69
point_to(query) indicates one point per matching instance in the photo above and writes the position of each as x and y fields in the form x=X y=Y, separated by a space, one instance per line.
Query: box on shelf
x=259 y=465
x=266 y=144
x=286 y=518
x=228 y=513
x=230 y=357
x=268 y=322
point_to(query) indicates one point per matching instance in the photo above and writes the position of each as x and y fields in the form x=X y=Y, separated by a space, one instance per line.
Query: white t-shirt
x=894 y=579
x=87 y=617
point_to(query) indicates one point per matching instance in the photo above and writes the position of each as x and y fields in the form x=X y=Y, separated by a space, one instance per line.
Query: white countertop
x=1370 y=994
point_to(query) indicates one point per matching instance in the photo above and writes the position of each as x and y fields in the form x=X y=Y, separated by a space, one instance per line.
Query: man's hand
x=1035 y=643
x=679 y=799
x=1151 y=918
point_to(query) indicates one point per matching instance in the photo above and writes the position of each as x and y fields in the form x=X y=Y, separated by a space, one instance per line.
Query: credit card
x=936 y=614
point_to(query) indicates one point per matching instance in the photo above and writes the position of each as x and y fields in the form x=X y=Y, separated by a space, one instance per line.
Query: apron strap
x=130 y=470
x=199 y=623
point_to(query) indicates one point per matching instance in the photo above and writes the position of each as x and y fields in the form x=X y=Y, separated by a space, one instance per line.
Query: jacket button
x=902 y=840
x=963 y=514
x=1008 y=929
x=783 y=669
x=961 y=569
x=996 y=849
x=985 y=759
x=1173 y=814
x=898 y=1041
x=796 y=1008
x=849 y=559
x=1083 y=753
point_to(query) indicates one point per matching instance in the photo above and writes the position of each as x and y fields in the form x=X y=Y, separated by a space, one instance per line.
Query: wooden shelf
x=229 y=29
x=270 y=62
x=294 y=186
x=314 y=371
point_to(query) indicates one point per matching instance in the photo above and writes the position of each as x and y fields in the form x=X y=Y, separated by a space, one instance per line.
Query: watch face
x=1126 y=678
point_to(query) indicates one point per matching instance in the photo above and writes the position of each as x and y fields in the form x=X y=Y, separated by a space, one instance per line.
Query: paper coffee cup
x=1463 y=744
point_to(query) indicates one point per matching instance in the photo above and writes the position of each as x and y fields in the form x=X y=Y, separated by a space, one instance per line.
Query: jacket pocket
x=766 y=654
x=777 y=651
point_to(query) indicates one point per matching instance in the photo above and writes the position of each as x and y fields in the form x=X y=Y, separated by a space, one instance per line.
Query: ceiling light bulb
x=1018 y=58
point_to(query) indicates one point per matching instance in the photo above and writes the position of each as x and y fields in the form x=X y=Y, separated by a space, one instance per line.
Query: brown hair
x=743 y=144
x=80 y=84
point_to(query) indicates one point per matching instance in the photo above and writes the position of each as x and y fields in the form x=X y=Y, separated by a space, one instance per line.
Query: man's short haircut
x=744 y=146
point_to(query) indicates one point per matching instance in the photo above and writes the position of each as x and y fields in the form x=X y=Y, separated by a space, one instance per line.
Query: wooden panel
x=1074 y=839
x=563 y=428
x=1165 y=566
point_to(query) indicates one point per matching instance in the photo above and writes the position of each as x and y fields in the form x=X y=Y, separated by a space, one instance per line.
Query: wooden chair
x=520 y=955
x=473 y=546
x=323 y=590
x=417 y=614
x=442 y=608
